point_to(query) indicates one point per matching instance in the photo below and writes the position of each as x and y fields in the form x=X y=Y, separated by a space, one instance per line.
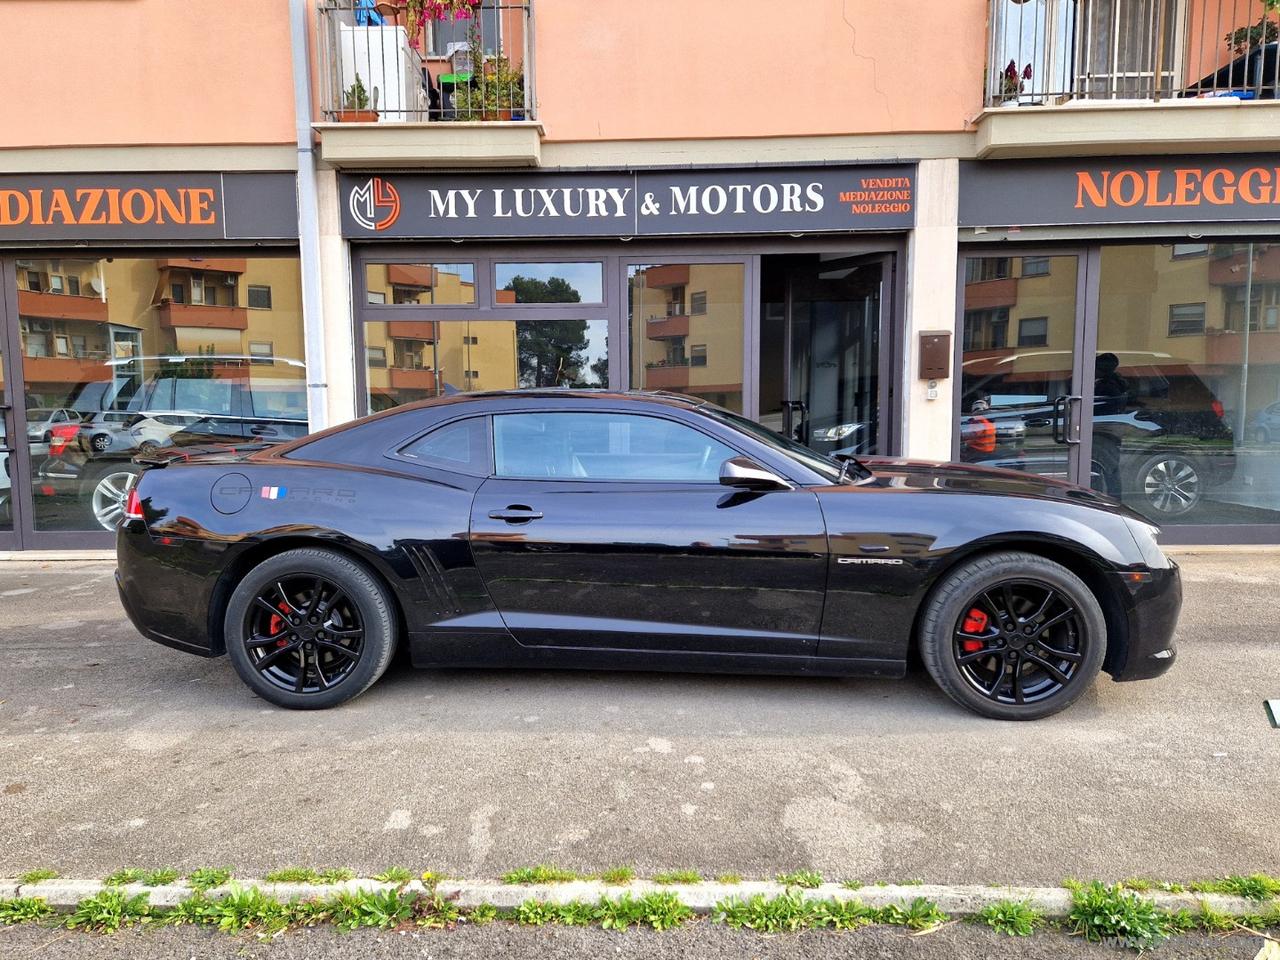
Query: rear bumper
x=163 y=597
x=1152 y=619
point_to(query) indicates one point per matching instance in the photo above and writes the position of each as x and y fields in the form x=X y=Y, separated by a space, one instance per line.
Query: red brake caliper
x=975 y=621
x=276 y=624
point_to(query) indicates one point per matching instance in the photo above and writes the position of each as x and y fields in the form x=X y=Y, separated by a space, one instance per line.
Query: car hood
x=962 y=478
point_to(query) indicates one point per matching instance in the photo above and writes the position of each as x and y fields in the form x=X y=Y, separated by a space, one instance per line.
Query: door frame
x=1079 y=421
x=12 y=403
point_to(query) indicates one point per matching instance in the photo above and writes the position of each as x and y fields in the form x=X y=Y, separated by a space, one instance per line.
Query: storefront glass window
x=448 y=284
x=674 y=347
x=1186 y=385
x=150 y=353
x=548 y=283
x=408 y=360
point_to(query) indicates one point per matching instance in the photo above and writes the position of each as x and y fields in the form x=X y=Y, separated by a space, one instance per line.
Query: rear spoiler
x=207 y=452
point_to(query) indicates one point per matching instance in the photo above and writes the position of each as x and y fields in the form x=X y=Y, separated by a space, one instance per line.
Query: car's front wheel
x=107 y=492
x=1013 y=636
x=309 y=628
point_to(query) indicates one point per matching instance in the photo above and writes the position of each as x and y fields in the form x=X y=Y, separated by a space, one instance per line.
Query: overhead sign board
x=635 y=204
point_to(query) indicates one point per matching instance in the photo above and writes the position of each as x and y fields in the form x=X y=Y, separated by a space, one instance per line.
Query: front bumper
x=1152 y=617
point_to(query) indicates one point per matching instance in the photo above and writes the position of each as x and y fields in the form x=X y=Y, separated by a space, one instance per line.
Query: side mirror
x=746 y=474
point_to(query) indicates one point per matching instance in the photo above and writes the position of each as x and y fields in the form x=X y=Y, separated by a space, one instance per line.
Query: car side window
x=461 y=446
x=604 y=446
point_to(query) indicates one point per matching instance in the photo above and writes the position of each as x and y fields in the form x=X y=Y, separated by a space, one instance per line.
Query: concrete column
x=335 y=302
x=930 y=306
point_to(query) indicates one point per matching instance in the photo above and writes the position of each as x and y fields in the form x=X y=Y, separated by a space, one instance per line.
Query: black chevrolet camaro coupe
x=649 y=531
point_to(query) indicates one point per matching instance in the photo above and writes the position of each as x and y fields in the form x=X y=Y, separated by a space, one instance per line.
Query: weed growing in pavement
x=127 y=875
x=1144 y=885
x=913 y=882
x=206 y=878
x=482 y=914
x=158 y=878
x=786 y=912
x=617 y=876
x=381 y=909
x=431 y=879
x=852 y=884
x=678 y=876
x=1257 y=886
x=35 y=876
x=195 y=909
x=1017 y=918
x=397 y=875
x=809 y=879
x=542 y=873
x=844 y=914
x=248 y=908
x=661 y=910
x=729 y=879
x=337 y=875
x=109 y=910
x=1100 y=912
x=23 y=910
x=919 y=914
x=307 y=875
x=436 y=911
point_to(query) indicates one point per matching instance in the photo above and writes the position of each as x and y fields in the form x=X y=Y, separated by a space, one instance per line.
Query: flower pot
x=496 y=113
x=357 y=116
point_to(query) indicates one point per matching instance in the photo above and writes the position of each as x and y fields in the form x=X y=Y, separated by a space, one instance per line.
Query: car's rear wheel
x=100 y=442
x=148 y=447
x=1169 y=484
x=1013 y=636
x=107 y=493
x=309 y=628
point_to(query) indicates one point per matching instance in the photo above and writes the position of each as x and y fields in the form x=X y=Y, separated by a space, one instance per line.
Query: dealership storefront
x=770 y=291
x=1119 y=326
x=137 y=310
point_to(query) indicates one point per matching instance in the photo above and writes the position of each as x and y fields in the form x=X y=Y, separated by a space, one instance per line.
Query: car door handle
x=516 y=513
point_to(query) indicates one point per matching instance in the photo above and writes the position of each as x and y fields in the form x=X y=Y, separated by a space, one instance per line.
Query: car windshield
x=37 y=414
x=819 y=463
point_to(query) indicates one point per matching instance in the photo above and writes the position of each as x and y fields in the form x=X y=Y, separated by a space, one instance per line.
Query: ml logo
x=376 y=205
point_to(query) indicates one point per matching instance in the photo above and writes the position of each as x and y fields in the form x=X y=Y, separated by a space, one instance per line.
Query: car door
x=610 y=529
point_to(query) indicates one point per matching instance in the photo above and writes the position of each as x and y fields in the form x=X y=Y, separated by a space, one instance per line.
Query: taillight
x=60 y=436
x=133 y=505
x=1218 y=408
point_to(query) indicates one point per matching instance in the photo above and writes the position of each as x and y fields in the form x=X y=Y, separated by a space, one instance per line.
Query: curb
x=956 y=900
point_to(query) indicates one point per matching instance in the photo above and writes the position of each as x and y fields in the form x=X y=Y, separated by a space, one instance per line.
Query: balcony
x=666 y=376
x=405 y=378
x=425 y=330
x=665 y=328
x=61 y=306
x=174 y=315
x=394 y=93
x=77 y=370
x=1064 y=77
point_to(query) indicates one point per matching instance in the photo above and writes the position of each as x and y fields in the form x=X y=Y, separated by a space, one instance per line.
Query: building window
x=1189 y=251
x=698 y=355
x=73 y=286
x=1033 y=331
x=377 y=296
x=259 y=297
x=549 y=282
x=261 y=350
x=178 y=292
x=57 y=284
x=473 y=374
x=1035 y=267
x=377 y=357
x=986 y=329
x=33 y=282
x=426 y=284
x=197 y=288
x=1186 y=319
x=698 y=302
x=982 y=269
x=471 y=341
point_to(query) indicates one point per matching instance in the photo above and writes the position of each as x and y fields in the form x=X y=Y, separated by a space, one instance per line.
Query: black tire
x=365 y=605
x=1083 y=634
x=1168 y=485
x=148 y=447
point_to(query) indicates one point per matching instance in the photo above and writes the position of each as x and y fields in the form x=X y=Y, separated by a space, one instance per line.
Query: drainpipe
x=308 y=222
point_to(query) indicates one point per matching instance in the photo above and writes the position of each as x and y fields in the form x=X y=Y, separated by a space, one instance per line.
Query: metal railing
x=378 y=67
x=1051 y=52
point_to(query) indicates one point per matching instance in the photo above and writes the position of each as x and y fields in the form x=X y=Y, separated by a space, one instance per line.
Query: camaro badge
x=274 y=493
x=867 y=560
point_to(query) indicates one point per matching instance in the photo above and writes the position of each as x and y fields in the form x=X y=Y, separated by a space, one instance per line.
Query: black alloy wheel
x=310 y=628
x=1013 y=636
x=304 y=634
x=1019 y=642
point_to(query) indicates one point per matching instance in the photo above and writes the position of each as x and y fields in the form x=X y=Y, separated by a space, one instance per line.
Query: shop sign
x=162 y=207
x=638 y=204
x=1119 y=190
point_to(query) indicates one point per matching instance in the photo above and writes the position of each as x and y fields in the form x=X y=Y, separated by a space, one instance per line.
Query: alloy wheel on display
x=110 y=496
x=1171 y=485
x=304 y=634
x=1020 y=642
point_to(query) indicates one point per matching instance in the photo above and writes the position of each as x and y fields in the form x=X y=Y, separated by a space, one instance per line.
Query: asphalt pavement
x=117 y=752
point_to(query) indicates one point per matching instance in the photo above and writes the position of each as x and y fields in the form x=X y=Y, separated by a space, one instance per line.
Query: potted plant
x=355 y=104
x=1011 y=82
x=502 y=90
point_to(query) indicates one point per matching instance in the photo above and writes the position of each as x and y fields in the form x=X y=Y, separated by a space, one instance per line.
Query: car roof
x=558 y=393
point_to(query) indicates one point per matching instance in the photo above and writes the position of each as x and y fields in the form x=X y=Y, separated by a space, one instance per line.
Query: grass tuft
x=919 y=914
x=308 y=875
x=127 y=875
x=1256 y=886
x=729 y=879
x=483 y=914
x=1100 y=912
x=1017 y=918
x=808 y=879
x=618 y=876
x=35 y=876
x=678 y=876
x=158 y=878
x=109 y=910
x=785 y=913
x=542 y=873
x=397 y=875
x=206 y=878
x=379 y=909
x=852 y=884
x=23 y=910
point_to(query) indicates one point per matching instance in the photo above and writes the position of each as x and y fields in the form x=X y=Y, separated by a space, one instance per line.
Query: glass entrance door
x=1021 y=372
x=9 y=435
x=823 y=320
